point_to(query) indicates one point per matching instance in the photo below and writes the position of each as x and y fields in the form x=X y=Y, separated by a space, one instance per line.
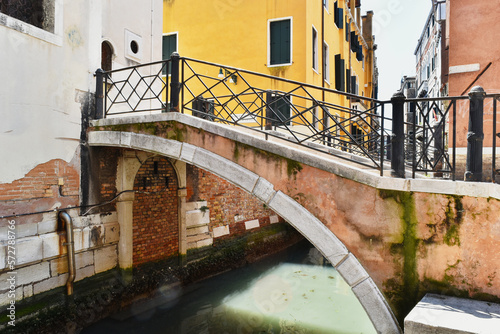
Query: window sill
x=30 y=30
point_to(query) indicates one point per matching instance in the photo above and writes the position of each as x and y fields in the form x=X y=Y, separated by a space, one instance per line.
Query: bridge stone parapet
x=392 y=240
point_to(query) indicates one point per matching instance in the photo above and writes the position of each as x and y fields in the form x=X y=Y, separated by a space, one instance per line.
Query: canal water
x=294 y=291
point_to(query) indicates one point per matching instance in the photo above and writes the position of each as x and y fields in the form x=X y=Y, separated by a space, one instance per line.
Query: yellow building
x=318 y=42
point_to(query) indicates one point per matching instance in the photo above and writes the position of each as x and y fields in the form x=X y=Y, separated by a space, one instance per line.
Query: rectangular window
x=326 y=62
x=314 y=49
x=39 y=13
x=325 y=4
x=169 y=45
x=280 y=42
x=339 y=73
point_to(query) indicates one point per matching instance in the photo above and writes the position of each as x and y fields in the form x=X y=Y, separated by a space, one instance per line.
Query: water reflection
x=293 y=292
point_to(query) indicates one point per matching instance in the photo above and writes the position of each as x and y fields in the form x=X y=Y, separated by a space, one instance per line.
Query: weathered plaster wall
x=39 y=102
x=409 y=242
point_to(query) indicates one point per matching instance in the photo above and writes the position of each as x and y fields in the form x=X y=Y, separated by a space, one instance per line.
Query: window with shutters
x=169 y=45
x=314 y=49
x=326 y=62
x=280 y=42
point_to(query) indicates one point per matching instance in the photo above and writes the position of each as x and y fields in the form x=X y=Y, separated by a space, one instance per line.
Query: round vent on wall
x=133 y=46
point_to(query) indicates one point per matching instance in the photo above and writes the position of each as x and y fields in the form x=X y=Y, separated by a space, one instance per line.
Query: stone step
x=198 y=237
x=196 y=217
x=194 y=230
x=198 y=241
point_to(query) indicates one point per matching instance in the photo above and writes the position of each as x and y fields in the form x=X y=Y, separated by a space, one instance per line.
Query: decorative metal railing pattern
x=351 y=127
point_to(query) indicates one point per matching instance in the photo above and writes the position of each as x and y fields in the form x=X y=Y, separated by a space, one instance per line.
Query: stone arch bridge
x=391 y=239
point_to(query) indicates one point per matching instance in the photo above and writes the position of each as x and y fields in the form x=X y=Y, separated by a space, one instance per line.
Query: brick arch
x=294 y=213
x=155 y=212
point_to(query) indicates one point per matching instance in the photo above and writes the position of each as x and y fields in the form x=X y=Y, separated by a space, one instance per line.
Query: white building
x=50 y=52
x=428 y=54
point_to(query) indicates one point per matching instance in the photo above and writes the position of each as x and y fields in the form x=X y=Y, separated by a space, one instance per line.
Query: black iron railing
x=351 y=127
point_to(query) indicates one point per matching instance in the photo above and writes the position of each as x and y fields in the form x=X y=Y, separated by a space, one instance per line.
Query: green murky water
x=295 y=291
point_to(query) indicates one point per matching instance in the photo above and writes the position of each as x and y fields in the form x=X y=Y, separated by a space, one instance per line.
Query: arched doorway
x=106 y=56
x=155 y=224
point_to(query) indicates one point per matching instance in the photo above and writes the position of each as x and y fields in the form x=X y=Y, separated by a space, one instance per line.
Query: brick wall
x=227 y=204
x=155 y=222
x=103 y=177
x=39 y=190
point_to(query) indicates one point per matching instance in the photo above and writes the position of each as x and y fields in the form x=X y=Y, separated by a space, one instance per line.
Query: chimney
x=358 y=13
x=368 y=28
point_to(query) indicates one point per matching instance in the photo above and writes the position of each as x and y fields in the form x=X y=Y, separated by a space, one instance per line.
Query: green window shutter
x=339 y=73
x=280 y=42
x=348 y=86
x=169 y=45
x=338 y=14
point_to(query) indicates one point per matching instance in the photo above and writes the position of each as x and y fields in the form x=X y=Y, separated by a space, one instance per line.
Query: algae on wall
x=404 y=294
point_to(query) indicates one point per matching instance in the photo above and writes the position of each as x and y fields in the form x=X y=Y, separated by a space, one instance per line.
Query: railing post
x=174 y=82
x=99 y=94
x=269 y=113
x=398 y=136
x=475 y=136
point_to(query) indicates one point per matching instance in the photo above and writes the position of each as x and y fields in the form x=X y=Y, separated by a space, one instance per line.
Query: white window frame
x=326 y=66
x=269 y=41
x=315 y=51
x=176 y=44
x=55 y=38
x=326 y=5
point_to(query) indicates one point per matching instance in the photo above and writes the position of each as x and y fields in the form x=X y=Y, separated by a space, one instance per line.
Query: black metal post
x=99 y=94
x=438 y=149
x=475 y=136
x=174 y=82
x=413 y=113
x=398 y=135
x=269 y=113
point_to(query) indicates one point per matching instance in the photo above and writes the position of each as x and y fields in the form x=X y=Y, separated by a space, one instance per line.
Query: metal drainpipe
x=71 y=250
